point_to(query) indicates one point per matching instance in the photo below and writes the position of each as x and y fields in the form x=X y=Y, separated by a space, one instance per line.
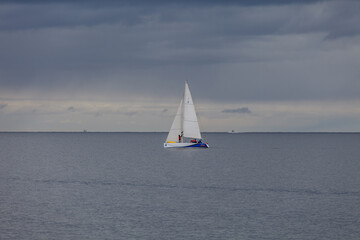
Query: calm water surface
x=127 y=186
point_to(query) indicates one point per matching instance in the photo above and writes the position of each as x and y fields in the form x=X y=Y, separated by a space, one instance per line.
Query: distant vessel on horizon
x=233 y=131
x=185 y=131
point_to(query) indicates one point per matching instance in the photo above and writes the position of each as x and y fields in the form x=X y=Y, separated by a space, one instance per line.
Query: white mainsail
x=190 y=123
x=185 y=122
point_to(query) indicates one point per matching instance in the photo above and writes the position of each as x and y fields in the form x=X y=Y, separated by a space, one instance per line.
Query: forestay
x=176 y=126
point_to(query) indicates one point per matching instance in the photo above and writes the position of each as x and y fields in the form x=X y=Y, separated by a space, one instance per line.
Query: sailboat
x=185 y=131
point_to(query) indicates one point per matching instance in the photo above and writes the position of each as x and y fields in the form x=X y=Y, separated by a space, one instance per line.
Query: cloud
x=244 y=110
x=132 y=113
x=230 y=18
x=71 y=109
x=3 y=105
x=142 y=50
x=99 y=112
x=231 y=52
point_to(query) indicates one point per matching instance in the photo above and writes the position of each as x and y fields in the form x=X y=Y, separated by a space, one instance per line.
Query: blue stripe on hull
x=200 y=145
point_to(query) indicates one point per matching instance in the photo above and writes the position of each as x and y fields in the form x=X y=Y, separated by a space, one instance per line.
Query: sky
x=252 y=66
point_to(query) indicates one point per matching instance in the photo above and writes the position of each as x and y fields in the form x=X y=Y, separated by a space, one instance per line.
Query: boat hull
x=185 y=145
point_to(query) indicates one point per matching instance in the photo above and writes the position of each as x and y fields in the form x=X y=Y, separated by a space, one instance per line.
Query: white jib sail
x=190 y=123
x=176 y=126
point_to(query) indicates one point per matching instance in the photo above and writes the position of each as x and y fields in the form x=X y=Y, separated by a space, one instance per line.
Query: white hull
x=178 y=145
x=185 y=145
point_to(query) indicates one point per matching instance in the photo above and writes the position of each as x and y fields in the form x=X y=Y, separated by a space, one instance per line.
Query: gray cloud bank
x=245 y=110
x=233 y=50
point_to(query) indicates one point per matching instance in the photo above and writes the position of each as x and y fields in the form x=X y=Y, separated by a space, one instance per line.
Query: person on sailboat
x=181 y=135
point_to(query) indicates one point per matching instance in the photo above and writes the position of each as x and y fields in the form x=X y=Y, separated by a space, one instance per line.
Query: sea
x=127 y=186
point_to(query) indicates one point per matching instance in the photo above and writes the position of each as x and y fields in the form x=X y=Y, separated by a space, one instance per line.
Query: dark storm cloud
x=155 y=2
x=248 y=49
x=17 y=15
x=245 y=110
x=64 y=15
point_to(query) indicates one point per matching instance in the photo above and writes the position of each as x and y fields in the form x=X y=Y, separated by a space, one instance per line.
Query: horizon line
x=252 y=132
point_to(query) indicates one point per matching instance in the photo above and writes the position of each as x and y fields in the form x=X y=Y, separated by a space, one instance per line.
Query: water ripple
x=188 y=187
